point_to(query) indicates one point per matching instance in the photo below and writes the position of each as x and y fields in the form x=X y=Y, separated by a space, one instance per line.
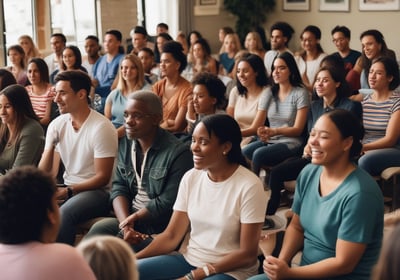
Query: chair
x=391 y=175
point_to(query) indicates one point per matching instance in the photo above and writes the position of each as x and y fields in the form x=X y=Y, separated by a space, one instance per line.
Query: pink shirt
x=38 y=261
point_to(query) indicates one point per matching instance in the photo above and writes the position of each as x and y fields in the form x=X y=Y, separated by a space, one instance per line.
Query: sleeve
x=396 y=104
x=106 y=143
x=111 y=96
x=254 y=196
x=303 y=99
x=302 y=182
x=181 y=203
x=265 y=99
x=233 y=97
x=184 y=96
x=30 y=145
x=165 y=201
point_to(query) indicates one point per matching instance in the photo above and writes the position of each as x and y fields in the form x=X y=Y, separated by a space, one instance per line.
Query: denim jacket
x=167 y=160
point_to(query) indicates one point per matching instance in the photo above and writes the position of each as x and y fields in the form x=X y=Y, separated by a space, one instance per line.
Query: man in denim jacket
x=151 y=163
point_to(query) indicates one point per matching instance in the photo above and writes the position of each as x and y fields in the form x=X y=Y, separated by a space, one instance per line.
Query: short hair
x=26 y=196
x=227 y=30
x=286 y=29
x=117 y=34
x=109 y=257
x=226 y=129
x=257 y=64
x=176 y=50
x=349 y=125
x=21 y=51
x=139 y=30
x=152 y=101
x=61 y=36
x=42 y=67
x=78 y=80
x=215 y=87
x=93 y=37
x=148 y=50
x=163 y=25
x=78 y=57
x=6 y=79
x=343 y=29
x=391 y=68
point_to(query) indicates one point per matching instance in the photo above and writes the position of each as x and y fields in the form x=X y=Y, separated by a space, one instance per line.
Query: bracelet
x=206 y=270
x=212 y=269
x=189 y=276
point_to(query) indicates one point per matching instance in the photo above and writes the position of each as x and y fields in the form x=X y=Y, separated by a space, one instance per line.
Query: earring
x=224 y=153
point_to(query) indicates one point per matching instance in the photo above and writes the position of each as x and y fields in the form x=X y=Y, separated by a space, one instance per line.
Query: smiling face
x=208 y=152
x=7 y=113
x=129 y=70
x=251 y=42
x=139 y=123
x=370 y=47
x=378 y=78
x=324 y=84
x=246 y=74
x=281 y=71
x=69 y=59
x=309 y=41
x=67 y=100
x=341 y=42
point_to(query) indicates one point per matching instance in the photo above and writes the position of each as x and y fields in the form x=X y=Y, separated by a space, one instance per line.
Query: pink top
x=39 y=102
x=39 y=261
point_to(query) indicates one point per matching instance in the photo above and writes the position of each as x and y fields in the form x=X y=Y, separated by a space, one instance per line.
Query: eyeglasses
x=136 y=116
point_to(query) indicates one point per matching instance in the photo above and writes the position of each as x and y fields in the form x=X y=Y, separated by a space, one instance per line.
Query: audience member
x=54 y=60
x=332 y=90
x=223 y=237
x=309 y=59
x=286 y=105
x=173 y=89
x=40 y=90
x=381 y=116
x=181 y=38
x=281 y=33
x=6 y=79
x=254 y=45
x=86 y=143
x=227 y=58
x=92 y=49
x=71 y=60
x=208 y=98
x=29 y=222
x=162 y=28
x=146 y=56
x=139 y=39
x=21 y=136
x=16 y=55
x=151 y=163
x=106 y=68
x=341 y=39
x=130 y=79
x=30 y=49
x=161 y=39
x=192 y=37
x=251 y=85
x=110 y=258
x=200 y=60
x=373 y=46
x=221 y=36
x=338 y=209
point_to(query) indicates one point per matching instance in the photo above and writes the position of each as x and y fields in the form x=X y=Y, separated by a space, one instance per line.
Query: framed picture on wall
x=334 y=5
x=207 y=7
x=379 y=5
x=296 y=5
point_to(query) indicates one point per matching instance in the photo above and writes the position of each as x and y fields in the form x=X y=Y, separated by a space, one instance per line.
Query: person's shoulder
x=32 y=126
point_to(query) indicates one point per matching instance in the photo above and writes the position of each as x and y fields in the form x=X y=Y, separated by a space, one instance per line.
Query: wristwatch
x=70 y=192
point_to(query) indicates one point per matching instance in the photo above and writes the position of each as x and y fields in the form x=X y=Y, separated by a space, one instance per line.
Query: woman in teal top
x=338 y=209
x=21 y=135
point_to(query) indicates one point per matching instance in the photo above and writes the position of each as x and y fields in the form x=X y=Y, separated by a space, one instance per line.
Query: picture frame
x=381 y=5
x=334 y=5
x=208 y=2
x=207 y=7
x=296 y=5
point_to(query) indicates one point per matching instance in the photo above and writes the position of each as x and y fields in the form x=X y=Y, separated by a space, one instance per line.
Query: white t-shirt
x=38 y=261
x=310 y=67
x=97 y=138
x=216 y=211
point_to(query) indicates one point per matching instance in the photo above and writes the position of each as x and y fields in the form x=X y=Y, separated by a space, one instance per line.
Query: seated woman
x=173 y=89
x=338 y=209
x=381 y=117
x=221 y=202
x=21 y=135
x=71 y=60
x=208 y=98
x=130 y=79
x=16 y=55
x=244 y=99
x=254 y=44
x=286 y=106
x=227 y=58
x=29 y=222
x=332 y=91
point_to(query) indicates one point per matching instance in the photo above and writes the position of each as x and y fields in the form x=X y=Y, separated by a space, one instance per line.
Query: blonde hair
x=109 y=257
x=33 y=50
x=236 y=40
x=140 y=73
x=259 y=45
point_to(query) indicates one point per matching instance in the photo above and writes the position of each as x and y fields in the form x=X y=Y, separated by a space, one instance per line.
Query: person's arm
x=46 y=118
x=230 y=111
x=391 y=137
x=258 y=121
x=179 y=123
x=30 y=145
x=169 y=239
x=212 y=66
x=292 y=131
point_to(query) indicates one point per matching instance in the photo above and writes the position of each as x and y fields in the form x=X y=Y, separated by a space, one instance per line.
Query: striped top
x=39 y=101
x=376 y=116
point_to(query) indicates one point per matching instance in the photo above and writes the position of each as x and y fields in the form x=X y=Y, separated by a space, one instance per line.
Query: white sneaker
x=273 y=223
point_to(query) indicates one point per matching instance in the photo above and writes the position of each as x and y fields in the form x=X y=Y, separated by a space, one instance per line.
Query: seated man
x=29 y=221
x=151 y=162
x=86 y=142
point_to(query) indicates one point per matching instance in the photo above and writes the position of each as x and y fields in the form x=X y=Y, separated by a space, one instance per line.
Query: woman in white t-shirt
x=220 y=205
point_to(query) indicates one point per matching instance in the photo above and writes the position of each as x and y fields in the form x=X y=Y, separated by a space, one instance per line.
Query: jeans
x=80 y=208
x=167 y=267
x=259 y=277
x=268 y=154
x=375 y=161
x=110 y=226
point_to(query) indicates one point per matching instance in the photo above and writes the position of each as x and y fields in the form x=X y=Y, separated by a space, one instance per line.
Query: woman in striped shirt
x=40 y=91
x=381 y=116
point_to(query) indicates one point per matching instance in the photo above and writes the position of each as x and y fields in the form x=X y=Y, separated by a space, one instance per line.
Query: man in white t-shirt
x=281 y=33
x=86 y=142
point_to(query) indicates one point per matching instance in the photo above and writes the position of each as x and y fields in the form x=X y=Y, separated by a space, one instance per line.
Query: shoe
x=274 y=223
x=268 y=224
